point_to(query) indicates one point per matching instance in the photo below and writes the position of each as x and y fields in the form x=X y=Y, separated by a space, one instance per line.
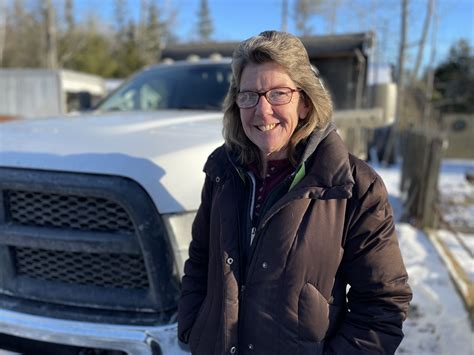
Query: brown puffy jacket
x=332 y=229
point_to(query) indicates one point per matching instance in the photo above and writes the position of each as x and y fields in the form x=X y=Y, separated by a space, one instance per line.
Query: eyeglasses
x=276 y=96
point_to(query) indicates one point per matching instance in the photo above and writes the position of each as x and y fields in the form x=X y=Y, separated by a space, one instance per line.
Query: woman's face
x=268 y=126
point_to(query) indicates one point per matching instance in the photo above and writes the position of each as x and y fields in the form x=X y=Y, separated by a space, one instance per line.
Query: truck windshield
x=190 y=86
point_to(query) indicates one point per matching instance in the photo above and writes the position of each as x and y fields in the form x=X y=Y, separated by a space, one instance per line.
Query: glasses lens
x=279 y=96
x=246 y=99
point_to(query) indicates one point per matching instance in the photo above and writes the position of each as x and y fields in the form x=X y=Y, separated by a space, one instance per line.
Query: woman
x=288 y=219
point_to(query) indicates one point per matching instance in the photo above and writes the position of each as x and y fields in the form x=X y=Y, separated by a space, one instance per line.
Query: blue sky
x=240 y=19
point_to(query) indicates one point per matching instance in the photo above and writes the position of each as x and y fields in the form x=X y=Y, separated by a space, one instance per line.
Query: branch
x=424 y=35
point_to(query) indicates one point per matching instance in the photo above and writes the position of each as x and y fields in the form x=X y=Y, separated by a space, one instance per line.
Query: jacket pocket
x=198 y=326
x=313 y=317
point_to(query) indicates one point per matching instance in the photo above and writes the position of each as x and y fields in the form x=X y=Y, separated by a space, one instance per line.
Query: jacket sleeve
x=194 y=282
x=373 y=267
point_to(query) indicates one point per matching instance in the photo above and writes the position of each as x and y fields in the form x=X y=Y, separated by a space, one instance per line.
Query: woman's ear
x=303 y=106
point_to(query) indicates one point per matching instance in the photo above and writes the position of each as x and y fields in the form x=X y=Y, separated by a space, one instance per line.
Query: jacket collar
x=325 y=157
x=327 y=162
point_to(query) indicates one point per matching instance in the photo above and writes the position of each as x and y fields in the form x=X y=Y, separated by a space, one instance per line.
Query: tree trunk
x=142 y=35
x=427 y=110
x=421 y=48
x=401 y=85
x=3 y=28
x=50 y=25
x=284 y=15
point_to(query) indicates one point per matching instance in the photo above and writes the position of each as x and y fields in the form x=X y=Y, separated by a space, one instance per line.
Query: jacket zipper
x=247 y=238
x=253 y=231
x=258 y=226
x=252 y=196
x=248 y=245
x=250 y=229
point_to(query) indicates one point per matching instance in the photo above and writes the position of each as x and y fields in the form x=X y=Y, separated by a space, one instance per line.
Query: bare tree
x=330 y=10
x=153 y=35
x=72 y=40
x=50 y=35
x=284 y=15
x=143 y=18
x=69 y=15
x=205 y=27
x=401 y=83
x=3 y=27
x=24 y=32
x=401 y=59
x=430 y=77
x=120 y=20
x=421 y=47
x=303 y=11
x=169 y=22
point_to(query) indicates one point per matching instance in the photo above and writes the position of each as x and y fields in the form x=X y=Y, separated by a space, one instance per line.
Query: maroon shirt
x=277 y=171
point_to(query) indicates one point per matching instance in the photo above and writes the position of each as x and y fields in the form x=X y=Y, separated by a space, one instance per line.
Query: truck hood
x=162 y=151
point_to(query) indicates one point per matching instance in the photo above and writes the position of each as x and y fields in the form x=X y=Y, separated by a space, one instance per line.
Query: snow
x=457 y=194
x=438 y=322
x=468 y=241
x=461 y=253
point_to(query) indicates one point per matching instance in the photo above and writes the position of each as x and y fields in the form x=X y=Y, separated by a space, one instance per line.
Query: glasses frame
x=264 y=93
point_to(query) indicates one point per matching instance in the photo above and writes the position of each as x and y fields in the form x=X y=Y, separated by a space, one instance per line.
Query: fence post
x=421 y=152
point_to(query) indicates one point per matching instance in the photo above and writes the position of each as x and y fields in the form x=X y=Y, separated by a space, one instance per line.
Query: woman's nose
x=263 y=106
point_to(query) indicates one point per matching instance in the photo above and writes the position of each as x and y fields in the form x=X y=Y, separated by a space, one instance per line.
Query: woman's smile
x=265 y=128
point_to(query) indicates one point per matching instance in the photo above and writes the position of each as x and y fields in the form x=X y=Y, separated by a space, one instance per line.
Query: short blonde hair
x=289 y=52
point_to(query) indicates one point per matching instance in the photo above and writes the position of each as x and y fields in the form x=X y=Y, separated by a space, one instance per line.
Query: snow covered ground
x=457 y=194
x=438 y=322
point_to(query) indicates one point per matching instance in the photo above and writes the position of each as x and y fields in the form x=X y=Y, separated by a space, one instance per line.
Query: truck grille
x=84 y=246
x=33 y=208
x=103 y=270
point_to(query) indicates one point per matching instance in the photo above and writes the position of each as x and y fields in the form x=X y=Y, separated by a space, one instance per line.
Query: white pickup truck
x=96 y=211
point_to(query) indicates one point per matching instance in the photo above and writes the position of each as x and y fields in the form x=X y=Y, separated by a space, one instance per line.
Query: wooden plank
x=463 y=283
x=363 y=118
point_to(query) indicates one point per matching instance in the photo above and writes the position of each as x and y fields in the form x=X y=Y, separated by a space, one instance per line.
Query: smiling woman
x=270 y=123
x=288 y=219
